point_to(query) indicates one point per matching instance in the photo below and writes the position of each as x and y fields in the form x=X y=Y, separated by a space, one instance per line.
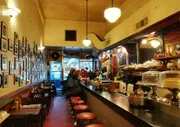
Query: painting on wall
x=1 y=83
x=10 y=45
x=15 y=49
x=4 y=30
x=4 y=62
x=3 y=44
x=16 y=38
x=16 y=63
x=5 y=80
x=11 y=67
x=16 y=80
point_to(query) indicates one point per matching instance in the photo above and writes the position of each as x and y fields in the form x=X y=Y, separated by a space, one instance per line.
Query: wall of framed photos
x=20 y=61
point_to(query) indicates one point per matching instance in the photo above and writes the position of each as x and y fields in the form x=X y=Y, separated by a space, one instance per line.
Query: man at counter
x=98 y=75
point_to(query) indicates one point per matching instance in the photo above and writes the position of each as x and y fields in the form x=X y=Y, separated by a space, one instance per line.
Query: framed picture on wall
x=3 y=44
x=5 y=79
x=4 y=62
x=11 y=67
x=16 y=38
x=19 y=45
x=4 y=30
x=10 y=45
x=15 y=49
x=16 y=80
x=23 y=42
x=20 y=56
x=16 y=63
x=1 y=81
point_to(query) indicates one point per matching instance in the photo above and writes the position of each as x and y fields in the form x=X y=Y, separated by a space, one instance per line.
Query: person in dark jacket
x=73 y=84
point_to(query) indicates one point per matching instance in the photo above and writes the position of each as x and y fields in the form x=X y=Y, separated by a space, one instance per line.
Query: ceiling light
x=155 y=43
x=86 y=42
x=112 y=14
x=152 y=33
x=12 y=12
x=144 y=41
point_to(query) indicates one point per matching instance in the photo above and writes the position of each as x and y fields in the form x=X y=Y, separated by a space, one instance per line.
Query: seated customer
x=83 y=73
x=73 y=85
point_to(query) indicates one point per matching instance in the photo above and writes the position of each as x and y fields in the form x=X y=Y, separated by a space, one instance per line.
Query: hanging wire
x=112 y=3
x=86 y=19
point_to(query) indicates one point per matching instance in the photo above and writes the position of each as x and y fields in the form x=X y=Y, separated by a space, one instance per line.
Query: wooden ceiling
x=76 y=9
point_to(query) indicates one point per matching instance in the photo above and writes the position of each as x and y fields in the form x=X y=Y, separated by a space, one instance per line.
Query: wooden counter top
x=136 y=116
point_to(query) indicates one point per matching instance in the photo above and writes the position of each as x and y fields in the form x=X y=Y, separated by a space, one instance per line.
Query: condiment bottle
x=16 y=104
x=178 y=63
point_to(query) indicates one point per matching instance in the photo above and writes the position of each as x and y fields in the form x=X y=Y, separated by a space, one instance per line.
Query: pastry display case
x=150 y=78
x=170 y=79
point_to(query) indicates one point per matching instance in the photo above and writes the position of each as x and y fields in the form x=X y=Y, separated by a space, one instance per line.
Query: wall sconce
x=154 y=41
x=10 y=11
x=41 y=48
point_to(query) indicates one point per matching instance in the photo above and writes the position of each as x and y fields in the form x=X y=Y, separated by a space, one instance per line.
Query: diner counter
x=135 y=116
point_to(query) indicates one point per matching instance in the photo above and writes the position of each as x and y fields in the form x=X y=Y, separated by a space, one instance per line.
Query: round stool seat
x=75 y=98
x=95 y=125
x=81 y=107
x=77 y=101
x=86 y=116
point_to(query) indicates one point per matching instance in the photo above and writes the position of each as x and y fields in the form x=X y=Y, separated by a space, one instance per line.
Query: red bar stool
x=75 y=98
x=74 y=103
x=77 y=102
x=79 y=109
x=95 y=125
x=85 y=118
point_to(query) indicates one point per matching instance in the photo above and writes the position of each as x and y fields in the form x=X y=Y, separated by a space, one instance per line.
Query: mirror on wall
x=149 y=48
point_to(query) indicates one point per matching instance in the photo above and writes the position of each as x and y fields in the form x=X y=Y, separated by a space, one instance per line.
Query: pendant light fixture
x=86 y=41
x=112 y=14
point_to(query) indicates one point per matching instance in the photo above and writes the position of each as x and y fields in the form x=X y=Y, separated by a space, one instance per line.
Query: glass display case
x=170 y=79
x=150 y=78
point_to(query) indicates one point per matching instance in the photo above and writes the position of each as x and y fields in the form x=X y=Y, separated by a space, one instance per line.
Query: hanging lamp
x=86 y=41
x=112 y=14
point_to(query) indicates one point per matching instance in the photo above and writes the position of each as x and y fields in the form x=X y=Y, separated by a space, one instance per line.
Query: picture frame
x=16 y=80
x=1 y=81
x=11 y=67
x=20 y=56
x=16 y=63
x=3 y=44
x=16 y=38
x=10 y=45
x=19 y=45
x=4 y=62
x=5 y=79
x=23 y=42
x=15 y=49
x=4 y=30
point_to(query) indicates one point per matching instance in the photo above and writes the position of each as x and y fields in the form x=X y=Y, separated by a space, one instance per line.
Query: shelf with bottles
x=168 y=58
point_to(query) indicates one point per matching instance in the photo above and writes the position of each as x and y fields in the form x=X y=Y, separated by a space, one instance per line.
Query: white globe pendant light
x=112 y=14
x=86 y=42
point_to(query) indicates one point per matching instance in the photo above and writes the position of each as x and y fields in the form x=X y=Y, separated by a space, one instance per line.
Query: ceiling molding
x=40 y=10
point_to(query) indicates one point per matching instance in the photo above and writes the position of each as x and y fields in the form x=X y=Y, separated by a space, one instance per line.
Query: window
x=70 y=35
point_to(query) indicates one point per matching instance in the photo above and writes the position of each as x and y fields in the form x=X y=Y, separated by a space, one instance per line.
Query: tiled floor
x=59 y=115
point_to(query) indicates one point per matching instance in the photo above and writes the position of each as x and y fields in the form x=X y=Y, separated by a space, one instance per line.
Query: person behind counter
x=73 y=85
x=98 y=75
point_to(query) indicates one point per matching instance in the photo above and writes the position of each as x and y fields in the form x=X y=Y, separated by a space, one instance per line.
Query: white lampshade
x=112 y=14
x=86 y=42
x=155 y=43
x=13 y=12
